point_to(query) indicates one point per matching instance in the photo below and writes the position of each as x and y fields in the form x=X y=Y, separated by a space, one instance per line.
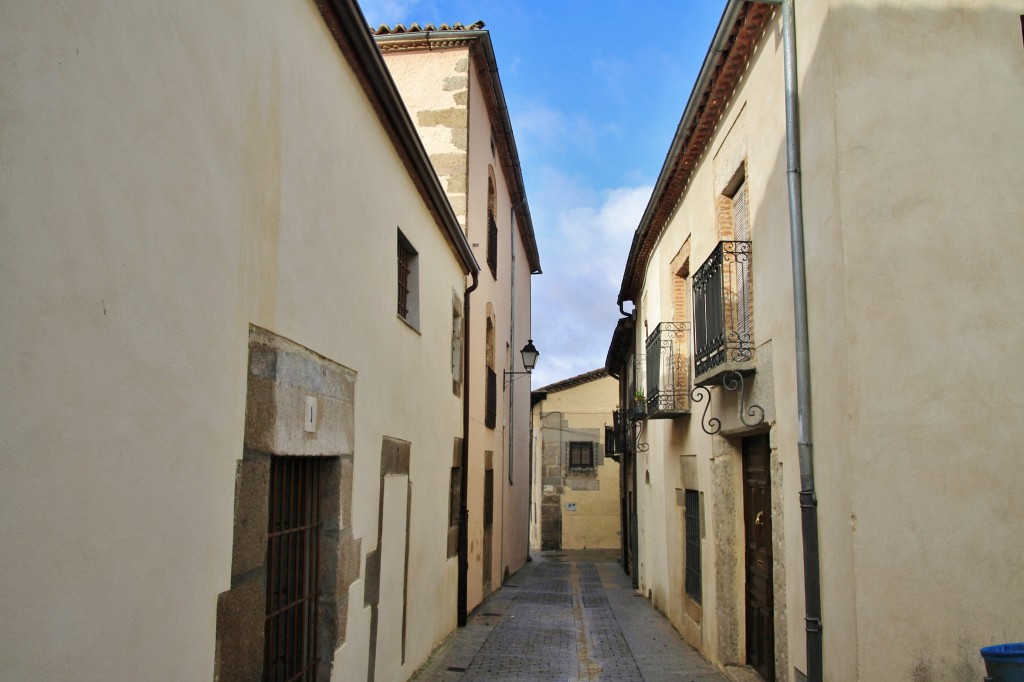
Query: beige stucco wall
x=935 y=409
x=510 y=298
x=909 y=238
x=172 y=174
x=594 y=522
x=444 y=92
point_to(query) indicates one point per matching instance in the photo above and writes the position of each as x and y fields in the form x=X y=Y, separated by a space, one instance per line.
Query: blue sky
x=595 y=90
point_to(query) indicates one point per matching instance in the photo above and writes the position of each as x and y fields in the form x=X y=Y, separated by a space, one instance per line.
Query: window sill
x=409 y=324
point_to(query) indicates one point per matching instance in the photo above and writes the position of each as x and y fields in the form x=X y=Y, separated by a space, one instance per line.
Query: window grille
x=293 y=554
x=404 y=266
x=741 y=231
x=693 y=574
x=581 y=455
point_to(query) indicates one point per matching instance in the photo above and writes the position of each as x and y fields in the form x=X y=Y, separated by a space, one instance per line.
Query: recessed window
x=693 y=575
x=741 y=232
x=492 y=227
x=408 y=282
x=454 y=505
x=491 y=396
x=581 y=455
x=457 y=358
x=488 y=498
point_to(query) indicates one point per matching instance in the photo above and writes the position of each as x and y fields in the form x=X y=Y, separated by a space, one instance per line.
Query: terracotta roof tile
x=384 y=29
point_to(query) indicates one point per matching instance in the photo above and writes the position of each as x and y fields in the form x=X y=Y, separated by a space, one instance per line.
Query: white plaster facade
x=911 y=147
x=450 y=85
x=171 y=175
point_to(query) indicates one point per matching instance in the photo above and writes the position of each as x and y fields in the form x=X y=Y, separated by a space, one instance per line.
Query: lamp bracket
x=516 y=375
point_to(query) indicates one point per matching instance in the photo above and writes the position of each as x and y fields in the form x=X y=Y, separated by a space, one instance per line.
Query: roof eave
x=674 y=176
x=574 y=381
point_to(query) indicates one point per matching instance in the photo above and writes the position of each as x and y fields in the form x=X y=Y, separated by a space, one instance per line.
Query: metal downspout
x=630 y=544
x=464 y=462
x=808 y=497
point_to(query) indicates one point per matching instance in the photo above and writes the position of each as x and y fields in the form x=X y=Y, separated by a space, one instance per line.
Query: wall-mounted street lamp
x=530 y=355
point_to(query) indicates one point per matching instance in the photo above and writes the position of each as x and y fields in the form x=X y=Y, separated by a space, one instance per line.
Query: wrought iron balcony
x=613 y=438
x=668 y=370
x=723 y=313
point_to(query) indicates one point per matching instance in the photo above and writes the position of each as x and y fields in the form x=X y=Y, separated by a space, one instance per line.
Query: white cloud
x=542 y=131
x=584 y=238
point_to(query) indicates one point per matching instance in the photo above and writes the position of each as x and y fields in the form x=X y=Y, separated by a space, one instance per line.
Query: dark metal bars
x=293 y=557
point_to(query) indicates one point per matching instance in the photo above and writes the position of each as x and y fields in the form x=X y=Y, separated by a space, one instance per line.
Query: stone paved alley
x=567 y=616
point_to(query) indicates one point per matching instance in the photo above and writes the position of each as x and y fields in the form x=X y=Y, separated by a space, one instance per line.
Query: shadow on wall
x=889 y=216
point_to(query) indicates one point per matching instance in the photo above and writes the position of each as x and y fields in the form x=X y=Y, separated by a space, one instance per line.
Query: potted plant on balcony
x=639 y=405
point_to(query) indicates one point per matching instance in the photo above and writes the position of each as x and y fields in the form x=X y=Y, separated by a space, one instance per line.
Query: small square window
x=581 y=455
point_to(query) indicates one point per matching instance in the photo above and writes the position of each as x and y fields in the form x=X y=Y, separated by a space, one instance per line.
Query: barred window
x=457 y=332
x=488 y=498
x=693 y=574
x=581 y=455
x=408 y=282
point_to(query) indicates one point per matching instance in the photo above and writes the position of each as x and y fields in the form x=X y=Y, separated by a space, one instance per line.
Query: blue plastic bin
x=1004 y=662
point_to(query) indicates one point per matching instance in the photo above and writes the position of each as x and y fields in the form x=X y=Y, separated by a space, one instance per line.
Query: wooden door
x=757 y=514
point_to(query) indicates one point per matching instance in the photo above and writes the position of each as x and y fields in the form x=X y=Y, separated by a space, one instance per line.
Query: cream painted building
x=575 y=487
x=448 y=78
x=231 y=342
x=911 y=133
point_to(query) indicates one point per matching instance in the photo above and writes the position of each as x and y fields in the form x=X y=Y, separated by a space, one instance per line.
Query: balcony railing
x=668 y=370
x=618 y=440
x=723 y=313
x=612 y=437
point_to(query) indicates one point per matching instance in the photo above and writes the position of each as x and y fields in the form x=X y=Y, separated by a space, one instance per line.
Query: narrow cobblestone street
x=567 y=616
